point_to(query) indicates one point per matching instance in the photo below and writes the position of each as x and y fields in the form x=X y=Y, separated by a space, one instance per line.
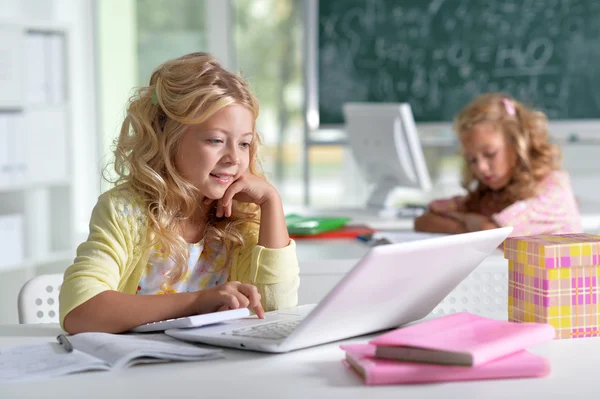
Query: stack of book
x=457 y=347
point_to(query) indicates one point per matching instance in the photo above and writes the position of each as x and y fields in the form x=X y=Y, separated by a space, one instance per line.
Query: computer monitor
x=385 y=144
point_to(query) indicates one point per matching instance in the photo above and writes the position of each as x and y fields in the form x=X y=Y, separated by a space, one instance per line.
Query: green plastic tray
x=312 y=225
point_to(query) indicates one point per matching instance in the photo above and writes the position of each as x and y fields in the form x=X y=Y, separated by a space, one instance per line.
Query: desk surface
x=319 y=250
x=590 y=217
x=310 y=373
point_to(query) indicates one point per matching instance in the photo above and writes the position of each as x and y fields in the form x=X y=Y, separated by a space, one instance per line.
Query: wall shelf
x=36 y=184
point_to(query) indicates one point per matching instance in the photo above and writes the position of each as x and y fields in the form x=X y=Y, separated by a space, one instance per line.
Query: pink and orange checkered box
x=555 y=279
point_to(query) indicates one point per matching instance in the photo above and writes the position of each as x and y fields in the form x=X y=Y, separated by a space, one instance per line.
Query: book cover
x=460 y=338
x=374 y=371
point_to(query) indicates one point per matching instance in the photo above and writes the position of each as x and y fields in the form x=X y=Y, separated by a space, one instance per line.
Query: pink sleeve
x=553 y=211
x=446 y=205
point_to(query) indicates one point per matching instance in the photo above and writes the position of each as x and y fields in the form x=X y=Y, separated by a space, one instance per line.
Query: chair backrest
x=38 y=299
x=484 y=292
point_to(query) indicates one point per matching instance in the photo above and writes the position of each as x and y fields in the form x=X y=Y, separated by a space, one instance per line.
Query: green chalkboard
x=439 y=54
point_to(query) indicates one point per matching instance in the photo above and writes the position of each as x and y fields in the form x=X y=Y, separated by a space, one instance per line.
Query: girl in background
x=511 y=174
x=191 y=226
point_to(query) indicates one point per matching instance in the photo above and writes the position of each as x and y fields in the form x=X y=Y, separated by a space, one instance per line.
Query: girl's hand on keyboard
x=232 y=295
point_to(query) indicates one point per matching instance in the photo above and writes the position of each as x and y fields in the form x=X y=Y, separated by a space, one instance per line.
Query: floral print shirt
x=207 y=267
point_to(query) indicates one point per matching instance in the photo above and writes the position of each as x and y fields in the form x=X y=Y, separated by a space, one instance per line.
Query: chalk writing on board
x=439 y=54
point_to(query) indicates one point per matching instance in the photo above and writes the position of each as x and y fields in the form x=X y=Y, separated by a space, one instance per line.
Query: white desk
x=324 y=262
x=309 y=373
x=590 y=217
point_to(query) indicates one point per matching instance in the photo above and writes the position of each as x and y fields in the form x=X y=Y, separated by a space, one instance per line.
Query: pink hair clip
x=510 y=108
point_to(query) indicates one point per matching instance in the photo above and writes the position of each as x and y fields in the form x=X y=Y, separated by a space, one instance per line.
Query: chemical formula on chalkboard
x=439 y=54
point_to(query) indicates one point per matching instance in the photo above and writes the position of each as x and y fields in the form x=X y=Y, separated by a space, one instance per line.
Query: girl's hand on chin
x=248 y=188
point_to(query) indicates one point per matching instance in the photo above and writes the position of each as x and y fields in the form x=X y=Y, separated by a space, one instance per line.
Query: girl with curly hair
x=190 y=217
x=511 y=174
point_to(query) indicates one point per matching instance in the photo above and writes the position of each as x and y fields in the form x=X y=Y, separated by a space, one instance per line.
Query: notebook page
x=39 y=361
x=122 y=350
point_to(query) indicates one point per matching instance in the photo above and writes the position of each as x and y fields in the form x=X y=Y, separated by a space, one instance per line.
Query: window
x=267 y=48
x=167 y=29
x=268 y=38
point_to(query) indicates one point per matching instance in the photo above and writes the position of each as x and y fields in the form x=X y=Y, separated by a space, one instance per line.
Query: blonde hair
x=525 y=130
x=184 y=91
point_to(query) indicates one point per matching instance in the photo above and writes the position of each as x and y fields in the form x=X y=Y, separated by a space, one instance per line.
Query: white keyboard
x=275 y=330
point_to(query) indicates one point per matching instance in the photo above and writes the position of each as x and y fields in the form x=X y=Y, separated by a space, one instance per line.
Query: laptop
x=391 y=285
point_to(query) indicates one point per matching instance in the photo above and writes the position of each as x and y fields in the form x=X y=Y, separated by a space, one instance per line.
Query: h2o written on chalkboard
x=438 y=55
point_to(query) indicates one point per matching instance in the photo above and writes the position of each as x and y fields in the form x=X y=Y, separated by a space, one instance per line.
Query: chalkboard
x=437 y=55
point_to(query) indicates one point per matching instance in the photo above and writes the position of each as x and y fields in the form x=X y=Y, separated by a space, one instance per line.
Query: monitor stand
x=380 y=196
x=379 y=212
x=380 y=204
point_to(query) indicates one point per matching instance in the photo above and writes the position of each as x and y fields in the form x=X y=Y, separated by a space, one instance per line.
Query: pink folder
x=481 y=338
x=375 y=371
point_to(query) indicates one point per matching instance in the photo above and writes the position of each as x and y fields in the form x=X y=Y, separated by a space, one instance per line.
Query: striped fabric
x=555 y=279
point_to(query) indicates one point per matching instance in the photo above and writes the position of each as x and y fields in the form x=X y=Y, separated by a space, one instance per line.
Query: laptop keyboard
x=276 y=330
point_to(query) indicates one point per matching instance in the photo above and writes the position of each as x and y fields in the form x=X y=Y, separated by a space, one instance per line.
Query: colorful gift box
x=554 y=279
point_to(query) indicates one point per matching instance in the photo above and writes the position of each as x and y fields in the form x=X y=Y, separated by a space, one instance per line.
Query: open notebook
x=95 y=351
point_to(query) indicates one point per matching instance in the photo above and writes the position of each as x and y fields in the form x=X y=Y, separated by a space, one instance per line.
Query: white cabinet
x=35 y=138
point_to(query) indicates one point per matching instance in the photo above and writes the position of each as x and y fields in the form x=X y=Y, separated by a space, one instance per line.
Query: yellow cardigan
x=117 y=251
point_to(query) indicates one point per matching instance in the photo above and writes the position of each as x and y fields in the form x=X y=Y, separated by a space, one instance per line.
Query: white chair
x=38 y=299
x=484 y=292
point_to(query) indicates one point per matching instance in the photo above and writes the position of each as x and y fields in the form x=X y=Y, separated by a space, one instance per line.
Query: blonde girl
x=191 y=225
